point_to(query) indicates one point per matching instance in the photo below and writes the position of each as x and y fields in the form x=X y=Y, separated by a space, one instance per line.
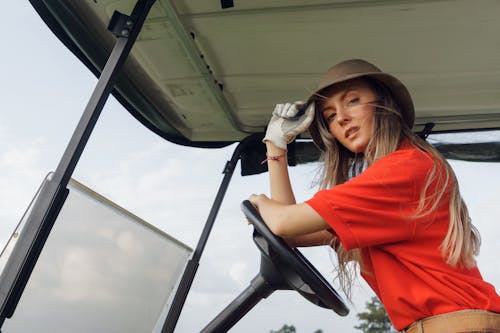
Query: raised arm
x=279 y=179
x=287 y=121
x=298 y=224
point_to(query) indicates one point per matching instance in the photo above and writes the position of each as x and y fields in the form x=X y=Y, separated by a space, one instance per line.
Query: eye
x=353 y=101
x=329 y=117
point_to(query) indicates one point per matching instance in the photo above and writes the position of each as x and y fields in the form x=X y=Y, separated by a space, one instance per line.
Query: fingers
x=253 y=198
x=310 y=108
x=257 y=199
x=299 y=124
x=288 y=110
x=309 y=115
x=278 y=109
x=300 y=107
x=288 y=121
x=306 y=117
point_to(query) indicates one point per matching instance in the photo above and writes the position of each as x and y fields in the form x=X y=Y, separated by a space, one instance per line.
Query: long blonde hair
x=462 y=241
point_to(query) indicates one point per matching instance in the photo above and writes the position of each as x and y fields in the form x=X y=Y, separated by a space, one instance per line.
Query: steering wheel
x=294 y=268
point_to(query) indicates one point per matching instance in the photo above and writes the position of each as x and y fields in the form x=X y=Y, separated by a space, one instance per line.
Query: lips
x=351 y=131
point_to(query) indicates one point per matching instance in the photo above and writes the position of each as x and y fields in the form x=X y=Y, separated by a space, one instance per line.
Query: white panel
x=101 y=270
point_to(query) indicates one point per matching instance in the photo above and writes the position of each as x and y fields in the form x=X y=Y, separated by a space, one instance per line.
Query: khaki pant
x=465 y=321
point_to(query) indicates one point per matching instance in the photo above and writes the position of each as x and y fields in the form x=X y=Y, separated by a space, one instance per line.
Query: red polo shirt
x=401 y=257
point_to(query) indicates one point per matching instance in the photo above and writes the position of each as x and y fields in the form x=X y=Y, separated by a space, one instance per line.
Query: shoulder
x=408 y=154
x=407 y=161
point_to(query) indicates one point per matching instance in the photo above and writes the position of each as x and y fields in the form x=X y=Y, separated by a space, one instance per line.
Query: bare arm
x=281 y=192
x=280 y=211
x=318 y=238
x=288 y=220
x=287 y=121
x=279 y=179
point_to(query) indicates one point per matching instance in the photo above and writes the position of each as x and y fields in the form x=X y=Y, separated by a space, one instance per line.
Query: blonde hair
x=462 y=241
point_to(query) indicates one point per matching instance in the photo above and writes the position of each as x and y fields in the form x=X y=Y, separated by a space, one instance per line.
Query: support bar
x=192 y=266
x=239 y=307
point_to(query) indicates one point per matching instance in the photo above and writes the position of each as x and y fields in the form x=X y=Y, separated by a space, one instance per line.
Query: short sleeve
x=376 y=207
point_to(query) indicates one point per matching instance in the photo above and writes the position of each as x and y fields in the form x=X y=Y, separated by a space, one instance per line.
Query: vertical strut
x=192 y=265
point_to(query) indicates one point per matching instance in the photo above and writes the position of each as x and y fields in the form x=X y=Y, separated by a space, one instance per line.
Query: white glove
x=287 y=122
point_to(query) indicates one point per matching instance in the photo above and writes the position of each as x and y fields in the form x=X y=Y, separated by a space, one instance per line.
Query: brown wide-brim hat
x=356 y=68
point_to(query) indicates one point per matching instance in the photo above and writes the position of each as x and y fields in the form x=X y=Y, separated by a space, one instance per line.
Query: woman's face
x=347 y=114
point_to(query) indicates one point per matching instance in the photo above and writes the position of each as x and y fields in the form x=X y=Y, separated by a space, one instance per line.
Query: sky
x=44 y=89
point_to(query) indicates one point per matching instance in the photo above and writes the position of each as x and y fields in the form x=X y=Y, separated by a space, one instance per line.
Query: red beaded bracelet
x=272 y=158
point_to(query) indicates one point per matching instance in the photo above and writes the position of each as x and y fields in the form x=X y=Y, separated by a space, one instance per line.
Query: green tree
x=375 y=319
x=285 y=329
x=290 y=329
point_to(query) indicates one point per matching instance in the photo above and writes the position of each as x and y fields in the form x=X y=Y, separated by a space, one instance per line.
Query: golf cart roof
x=201 y=75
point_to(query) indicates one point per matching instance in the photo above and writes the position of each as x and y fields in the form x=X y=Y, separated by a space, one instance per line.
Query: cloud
x=20 y=176
x=479 y=187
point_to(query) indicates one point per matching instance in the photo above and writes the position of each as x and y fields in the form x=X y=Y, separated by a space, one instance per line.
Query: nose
x=342 y=116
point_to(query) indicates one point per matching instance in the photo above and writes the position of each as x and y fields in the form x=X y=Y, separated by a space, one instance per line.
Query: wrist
x=276 y=158
x=274 y=153
x=273 y=149
x=276 y=141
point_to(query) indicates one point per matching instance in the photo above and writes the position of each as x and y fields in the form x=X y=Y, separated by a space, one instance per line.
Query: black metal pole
x=45 y=210
x=239 y=307
x=192 y=265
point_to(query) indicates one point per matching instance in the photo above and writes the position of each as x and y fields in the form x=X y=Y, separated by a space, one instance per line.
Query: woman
x=389 y=203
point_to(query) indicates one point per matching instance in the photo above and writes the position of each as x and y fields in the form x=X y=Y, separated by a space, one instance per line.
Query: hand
x=288 y=121
x=254 y=199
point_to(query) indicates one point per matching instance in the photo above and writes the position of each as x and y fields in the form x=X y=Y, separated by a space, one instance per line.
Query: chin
x=357 y=149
